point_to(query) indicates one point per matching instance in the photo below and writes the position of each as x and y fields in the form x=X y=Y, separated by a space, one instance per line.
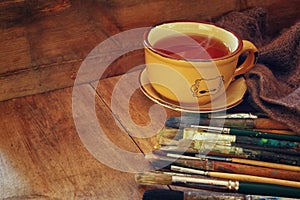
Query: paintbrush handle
x=259 y=123
x=275 y=131
x=238 y=177
x=266 y=164
x=226 y=167
x=254 y=154
x=163 y=194
x=247 y=162
x=266 y=142
x=268 y=189
x=147 y=178
x=243 y=132
x=255 y=179
x=173 y=133
x=238 y=136
x=291 y=152
x=265 y=123
x=237 y=152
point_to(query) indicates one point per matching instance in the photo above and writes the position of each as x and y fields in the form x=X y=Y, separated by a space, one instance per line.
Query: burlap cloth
x=274 y=82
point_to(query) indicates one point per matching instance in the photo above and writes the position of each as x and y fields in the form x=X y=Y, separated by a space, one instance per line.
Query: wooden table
x=43 y=157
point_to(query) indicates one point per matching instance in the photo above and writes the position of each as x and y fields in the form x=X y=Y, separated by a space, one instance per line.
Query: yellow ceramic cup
x=196 y=80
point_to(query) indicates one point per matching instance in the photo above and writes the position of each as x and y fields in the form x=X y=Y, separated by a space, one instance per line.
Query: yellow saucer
x=234 y=95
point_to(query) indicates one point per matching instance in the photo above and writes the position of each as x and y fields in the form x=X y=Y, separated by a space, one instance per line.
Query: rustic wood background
x=44 y=42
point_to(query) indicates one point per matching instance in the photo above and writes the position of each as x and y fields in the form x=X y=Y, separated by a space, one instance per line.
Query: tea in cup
x=194 y=62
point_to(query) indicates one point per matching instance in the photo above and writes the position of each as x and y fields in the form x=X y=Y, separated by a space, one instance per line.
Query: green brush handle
x=268 y=189
x=267 y=142
x=243 y=132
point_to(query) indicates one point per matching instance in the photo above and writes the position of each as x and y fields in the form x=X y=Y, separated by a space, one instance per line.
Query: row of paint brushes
x=193 y=135
x=240 y=121
x=225 y=187
x=194 y=172
x=243 y=162
x=164 y=194
x=197 y=141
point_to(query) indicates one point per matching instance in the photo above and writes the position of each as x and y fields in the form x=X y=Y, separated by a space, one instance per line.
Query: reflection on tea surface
x=191 y=47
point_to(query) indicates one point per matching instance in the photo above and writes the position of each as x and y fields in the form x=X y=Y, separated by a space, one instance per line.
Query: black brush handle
x=268 y=189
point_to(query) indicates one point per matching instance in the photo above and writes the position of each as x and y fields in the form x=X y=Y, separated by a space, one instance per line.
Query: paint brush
x=193 y=134
x=254 y=154
x=258 y=123
x=220 y=166
x=235 y=151
x=162 y=194
x=251 y=162
x=232 y=115
x=241 y=146
x=283 y=151
x=199 y=134
x=228 y=159
x=274 y=131
x=229 y=149
x=151 y=178
x=243 y=132
x=177 y=134
x=237 y=177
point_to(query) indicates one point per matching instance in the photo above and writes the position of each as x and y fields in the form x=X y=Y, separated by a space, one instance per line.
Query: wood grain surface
x=133 y=109
x=43 y=157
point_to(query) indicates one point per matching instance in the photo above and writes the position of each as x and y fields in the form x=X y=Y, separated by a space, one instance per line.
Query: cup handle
x=250 y=60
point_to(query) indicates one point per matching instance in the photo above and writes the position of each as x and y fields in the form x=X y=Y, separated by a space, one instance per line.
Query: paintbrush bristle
x=173 y=122
x=151 y=178
x=163 y=195
x=171 y=133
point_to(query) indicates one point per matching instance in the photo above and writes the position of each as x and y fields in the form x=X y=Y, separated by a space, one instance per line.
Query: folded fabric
x=274 y=82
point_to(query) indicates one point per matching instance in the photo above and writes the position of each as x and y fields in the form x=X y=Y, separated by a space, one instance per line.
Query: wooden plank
x=17 y=11
x=42 y=156
x=131 y=107
x=46 y=54
x=60 y=72
x=62 y=75
x=133 y=14
x=15 y=50
x=67 y=36
x=38 y=80
x=63 y=38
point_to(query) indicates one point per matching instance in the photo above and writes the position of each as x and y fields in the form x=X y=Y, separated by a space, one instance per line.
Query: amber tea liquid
x=192 y=47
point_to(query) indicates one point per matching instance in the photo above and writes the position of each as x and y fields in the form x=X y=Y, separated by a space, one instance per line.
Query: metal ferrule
x=226 y=130
x=208 y=128
x=233 y=185
x=234 y=116
x=189 y=170
x=198 y=180
x=212 y=129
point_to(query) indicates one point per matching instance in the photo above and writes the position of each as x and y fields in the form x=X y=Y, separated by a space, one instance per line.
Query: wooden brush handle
x=236 y=168
x=266 y=123
x=255 y=179
x=266 y=164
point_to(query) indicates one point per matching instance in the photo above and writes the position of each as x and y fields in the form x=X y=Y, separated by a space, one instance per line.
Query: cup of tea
x=194 y=62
